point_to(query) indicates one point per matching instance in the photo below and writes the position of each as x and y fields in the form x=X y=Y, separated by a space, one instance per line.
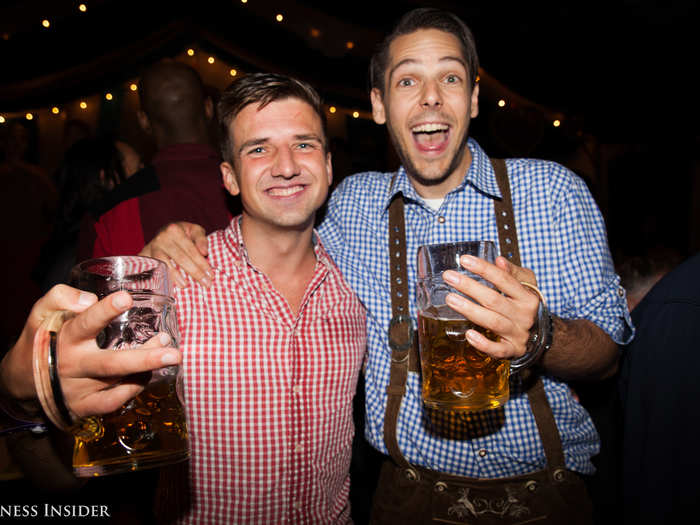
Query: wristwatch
x=540 y=339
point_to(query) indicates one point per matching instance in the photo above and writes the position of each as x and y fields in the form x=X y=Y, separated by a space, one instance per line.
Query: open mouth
x=431 y=136
x=286 y=191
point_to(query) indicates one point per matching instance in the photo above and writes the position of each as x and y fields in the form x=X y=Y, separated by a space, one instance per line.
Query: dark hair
x=425 y=18
x=637 y=271
x=89 y=169
x=261 y=89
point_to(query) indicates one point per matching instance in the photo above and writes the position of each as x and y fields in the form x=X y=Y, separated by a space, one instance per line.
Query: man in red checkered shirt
x=273 y=349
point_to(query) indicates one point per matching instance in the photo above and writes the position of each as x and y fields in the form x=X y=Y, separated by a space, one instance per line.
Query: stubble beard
x=422 y=178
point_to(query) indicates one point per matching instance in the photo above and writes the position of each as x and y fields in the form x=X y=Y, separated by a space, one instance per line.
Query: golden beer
x=148 y=431
x=456 y=376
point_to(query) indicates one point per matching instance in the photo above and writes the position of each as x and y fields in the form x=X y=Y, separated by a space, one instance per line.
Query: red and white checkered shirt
x=269 y=394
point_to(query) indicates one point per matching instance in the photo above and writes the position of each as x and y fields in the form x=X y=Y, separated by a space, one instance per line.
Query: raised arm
x=88 y=375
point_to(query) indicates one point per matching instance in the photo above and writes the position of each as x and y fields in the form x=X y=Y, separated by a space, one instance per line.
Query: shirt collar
x=236 y=239
x=480 y=175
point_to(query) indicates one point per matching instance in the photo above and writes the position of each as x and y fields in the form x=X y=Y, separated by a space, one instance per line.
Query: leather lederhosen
x=408 y=494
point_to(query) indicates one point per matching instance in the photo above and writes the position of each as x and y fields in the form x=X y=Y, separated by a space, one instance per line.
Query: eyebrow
x=262 y=140
x=252 y=142
x=448 y=58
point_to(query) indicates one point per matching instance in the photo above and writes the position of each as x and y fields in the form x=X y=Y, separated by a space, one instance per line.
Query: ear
x=329 y=168
x=378 y=111
x=144 y=121
x=209 y=108
x=229 y=177
x=475 y=101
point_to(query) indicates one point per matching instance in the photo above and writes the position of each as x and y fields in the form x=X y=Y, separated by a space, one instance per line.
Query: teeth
x=284 y=192
x=428 y=128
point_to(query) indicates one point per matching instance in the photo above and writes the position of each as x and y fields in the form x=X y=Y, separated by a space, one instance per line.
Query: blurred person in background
x=27 y=202
x=91 y=169
x=182 y=181
x=659 y=392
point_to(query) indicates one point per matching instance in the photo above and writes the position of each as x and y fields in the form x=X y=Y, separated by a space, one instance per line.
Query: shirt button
x=299 y=448
x=297 y=505
x=297 y=389
x=441 y=219
x=482 y=453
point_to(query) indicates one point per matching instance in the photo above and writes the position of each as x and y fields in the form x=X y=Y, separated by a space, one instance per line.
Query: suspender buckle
x=400 y=334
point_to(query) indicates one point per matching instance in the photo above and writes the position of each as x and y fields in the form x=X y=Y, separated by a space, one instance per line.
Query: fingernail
x=86 y=298
x=163 y=338
x=121 y=301
x=169 y=359
x=468 y=261
x=454 y=300
x=450 y=277
x=206 y=281
x=472 y=336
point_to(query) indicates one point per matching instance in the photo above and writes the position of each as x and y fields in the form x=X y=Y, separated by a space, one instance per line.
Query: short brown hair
x=425 y=18
x=261 y=89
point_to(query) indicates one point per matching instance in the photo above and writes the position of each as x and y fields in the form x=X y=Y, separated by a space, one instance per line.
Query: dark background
x=618 y=74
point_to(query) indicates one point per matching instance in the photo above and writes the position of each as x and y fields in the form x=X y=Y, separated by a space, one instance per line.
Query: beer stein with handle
x=456 y=376
x=150 y=429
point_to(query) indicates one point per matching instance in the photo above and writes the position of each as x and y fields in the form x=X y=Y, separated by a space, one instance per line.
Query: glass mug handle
x=45 y=368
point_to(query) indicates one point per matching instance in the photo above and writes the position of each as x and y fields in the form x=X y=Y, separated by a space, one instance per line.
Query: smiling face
x=427 y=105
x=280 y=165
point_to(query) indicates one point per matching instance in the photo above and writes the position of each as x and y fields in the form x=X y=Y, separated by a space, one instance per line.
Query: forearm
x=580 y=351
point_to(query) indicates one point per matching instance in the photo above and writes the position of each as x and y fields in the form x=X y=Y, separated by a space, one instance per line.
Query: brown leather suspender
x=403 y=341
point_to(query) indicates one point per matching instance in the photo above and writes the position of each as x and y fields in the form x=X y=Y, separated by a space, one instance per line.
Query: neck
x=279 y=253
x=194 y=135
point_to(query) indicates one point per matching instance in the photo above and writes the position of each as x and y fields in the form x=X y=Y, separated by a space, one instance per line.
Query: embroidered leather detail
x=467 y=506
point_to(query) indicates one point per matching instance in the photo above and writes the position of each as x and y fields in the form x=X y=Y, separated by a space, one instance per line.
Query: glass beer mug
x=456 y=376
x=150 y=429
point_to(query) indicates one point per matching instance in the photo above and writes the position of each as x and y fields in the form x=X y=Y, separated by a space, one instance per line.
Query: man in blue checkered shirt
x=424 y=89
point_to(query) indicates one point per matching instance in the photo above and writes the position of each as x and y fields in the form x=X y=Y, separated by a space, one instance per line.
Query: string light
x=82 y=8
x=279 y=17
x=244 y=1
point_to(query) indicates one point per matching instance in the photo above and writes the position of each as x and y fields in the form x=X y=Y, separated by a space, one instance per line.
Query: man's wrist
x=540 y=340
x=16 y=414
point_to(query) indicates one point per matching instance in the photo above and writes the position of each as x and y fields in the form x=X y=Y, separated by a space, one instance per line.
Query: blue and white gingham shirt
x=562 y=239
